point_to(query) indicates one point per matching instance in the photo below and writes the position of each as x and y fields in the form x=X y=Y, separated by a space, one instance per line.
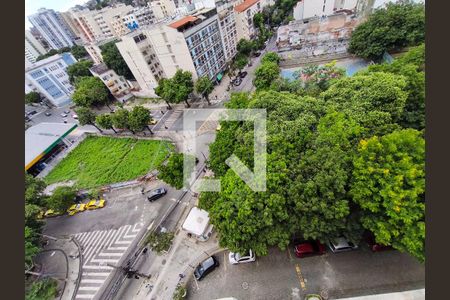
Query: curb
x=80 y=267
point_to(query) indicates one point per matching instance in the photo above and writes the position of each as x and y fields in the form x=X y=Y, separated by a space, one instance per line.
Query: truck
x=197 y=224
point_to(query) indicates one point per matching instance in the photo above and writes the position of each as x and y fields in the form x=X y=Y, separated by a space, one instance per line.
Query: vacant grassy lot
x=102 y=160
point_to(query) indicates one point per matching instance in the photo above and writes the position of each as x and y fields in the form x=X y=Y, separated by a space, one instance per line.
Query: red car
x=374 y=246
x=309 y=248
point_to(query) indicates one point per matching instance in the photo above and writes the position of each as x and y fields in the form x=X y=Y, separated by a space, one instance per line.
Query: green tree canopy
x=114 y=60
x=79 y=69
x=62 y=198
x=31 y=247
x=163 y=90
x=42 y=289
x=105 y=121
x=34 y=188
x=139 y=118
x=240 y=62
x=32 y=97
x=90 y=91
x=244 y=47
x=79 y=52
x=120 y=118
x=271 y=57
x=265 y=74
x=397 y=26
x=389 y=185
x=172 y=172
x=204 y=87
x=412 y=66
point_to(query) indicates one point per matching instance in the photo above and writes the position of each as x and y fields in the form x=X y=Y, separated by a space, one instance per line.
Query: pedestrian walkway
x=102 y=249
x=407 y=295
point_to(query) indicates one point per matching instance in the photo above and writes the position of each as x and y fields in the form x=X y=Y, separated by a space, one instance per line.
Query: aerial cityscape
x=228 y=150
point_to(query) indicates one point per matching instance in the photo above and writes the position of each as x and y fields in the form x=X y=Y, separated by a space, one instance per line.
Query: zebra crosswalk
x=100 y=249
x=172 y=118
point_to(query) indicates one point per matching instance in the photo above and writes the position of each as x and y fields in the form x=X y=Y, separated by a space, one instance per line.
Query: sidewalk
x=407 y=295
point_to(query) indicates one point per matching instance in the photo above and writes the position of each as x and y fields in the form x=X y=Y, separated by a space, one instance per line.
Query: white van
x=197 y=224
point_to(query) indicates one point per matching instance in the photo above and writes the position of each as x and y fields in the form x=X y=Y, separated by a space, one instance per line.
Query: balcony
x=110 y=83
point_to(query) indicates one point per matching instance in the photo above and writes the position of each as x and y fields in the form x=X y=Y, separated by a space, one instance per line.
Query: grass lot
x=102 y=160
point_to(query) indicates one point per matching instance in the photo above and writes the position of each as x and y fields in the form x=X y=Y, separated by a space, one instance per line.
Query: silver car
x=341 y=244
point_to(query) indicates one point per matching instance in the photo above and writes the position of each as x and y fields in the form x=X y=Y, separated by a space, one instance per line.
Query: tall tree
x=389 y=186
x=78 y=52
x=86 y=117
x=31 y=247
x=265 y=74
x=240 y=62
x=139 y=118
x=34 y=188
x=79 y=69
x=244 y=47
x=204 y=87
x=394 y=27
x=32 y=97
x=271 y=57
x=172 y=172
x=183 y=85
x=90 y=91
x=114 y=60
x=62 y=198
x=105 y=121
x=163 y=91
x=120 y=119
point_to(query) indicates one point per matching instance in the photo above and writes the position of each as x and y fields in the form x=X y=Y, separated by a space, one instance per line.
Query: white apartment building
x=163 y=8
x=33 y=48
x=138 y=17
x=306 y=9
x=50 y=78
x=52 y=28
x=244 y=18
x=116 y=84
x=97 y=25
x=227 y=25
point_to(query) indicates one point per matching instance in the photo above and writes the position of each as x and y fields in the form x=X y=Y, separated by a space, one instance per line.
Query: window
x=174 y=59
x=169 y=48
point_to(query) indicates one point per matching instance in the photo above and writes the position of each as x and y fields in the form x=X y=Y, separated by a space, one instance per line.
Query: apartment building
x=138 y=17
x=74 y=26
x=227 y=26
x=97 y=25
x=306 y=9
x=244 y=18
x=50 y=78
x=52 y=28
x=33 y=48
x=163 y=8
x=116 y=84
x=202 y=36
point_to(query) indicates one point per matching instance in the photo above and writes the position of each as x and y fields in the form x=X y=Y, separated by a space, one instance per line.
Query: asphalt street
x=281 y=275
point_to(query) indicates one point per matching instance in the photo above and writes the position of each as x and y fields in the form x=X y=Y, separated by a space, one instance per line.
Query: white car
x=236 y=258
x=75 y=117
x=341 y=244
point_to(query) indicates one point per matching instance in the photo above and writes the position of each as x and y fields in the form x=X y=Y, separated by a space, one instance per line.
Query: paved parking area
x=281 y=275
x=106 y=234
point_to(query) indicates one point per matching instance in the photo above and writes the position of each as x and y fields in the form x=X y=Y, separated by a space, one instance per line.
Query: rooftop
x=183 y=21
x=245 y=5
x=100 y=69
x=197 y=221
x=41 y=138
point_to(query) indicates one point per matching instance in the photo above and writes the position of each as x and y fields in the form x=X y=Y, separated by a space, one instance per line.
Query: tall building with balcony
x=245 y=12
x=163 y=8
x=117 y=85
x=33 y=49
x=227 y=25
x=52 y=28
x=49 y=77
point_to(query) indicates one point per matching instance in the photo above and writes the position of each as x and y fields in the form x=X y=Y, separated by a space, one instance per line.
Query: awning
x=219 y=76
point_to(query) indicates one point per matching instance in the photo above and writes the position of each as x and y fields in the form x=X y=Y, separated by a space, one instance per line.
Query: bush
x=45 y=289
x=160 y=242
x=180 y=292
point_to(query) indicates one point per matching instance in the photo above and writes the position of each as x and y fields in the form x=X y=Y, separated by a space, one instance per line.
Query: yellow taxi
x=52 y=213
x=76 y=208
x=40 y=215
x=219 y=127
x=95 y=204
x=153 y=122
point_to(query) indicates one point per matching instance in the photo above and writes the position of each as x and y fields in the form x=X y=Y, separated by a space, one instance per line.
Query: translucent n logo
x=256 y=180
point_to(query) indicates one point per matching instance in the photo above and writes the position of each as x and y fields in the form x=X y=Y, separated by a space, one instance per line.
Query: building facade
x=116 y=84
x=94 y=51
x=244 y=18
x=50 y=78
x=306 y=9
x=52 y=28
x=163 y=8
x=227 y=25
x=33 y=48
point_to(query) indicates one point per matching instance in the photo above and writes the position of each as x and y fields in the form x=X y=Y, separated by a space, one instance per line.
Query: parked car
x=33 y=112
x=52 y=213
x=373 y=245
x=95 y=204
x=153 y=122
x=242 y=74
x=76 y=208
x=256 y=54
x=156 y=194
x=237 y=81
x=219 y=127
x=75 y=117
x=341 y=244
x=236 y=258
x=309 y=248
x=64 y=115
x=205 y=267
x=67 y=112
x=48 y=114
